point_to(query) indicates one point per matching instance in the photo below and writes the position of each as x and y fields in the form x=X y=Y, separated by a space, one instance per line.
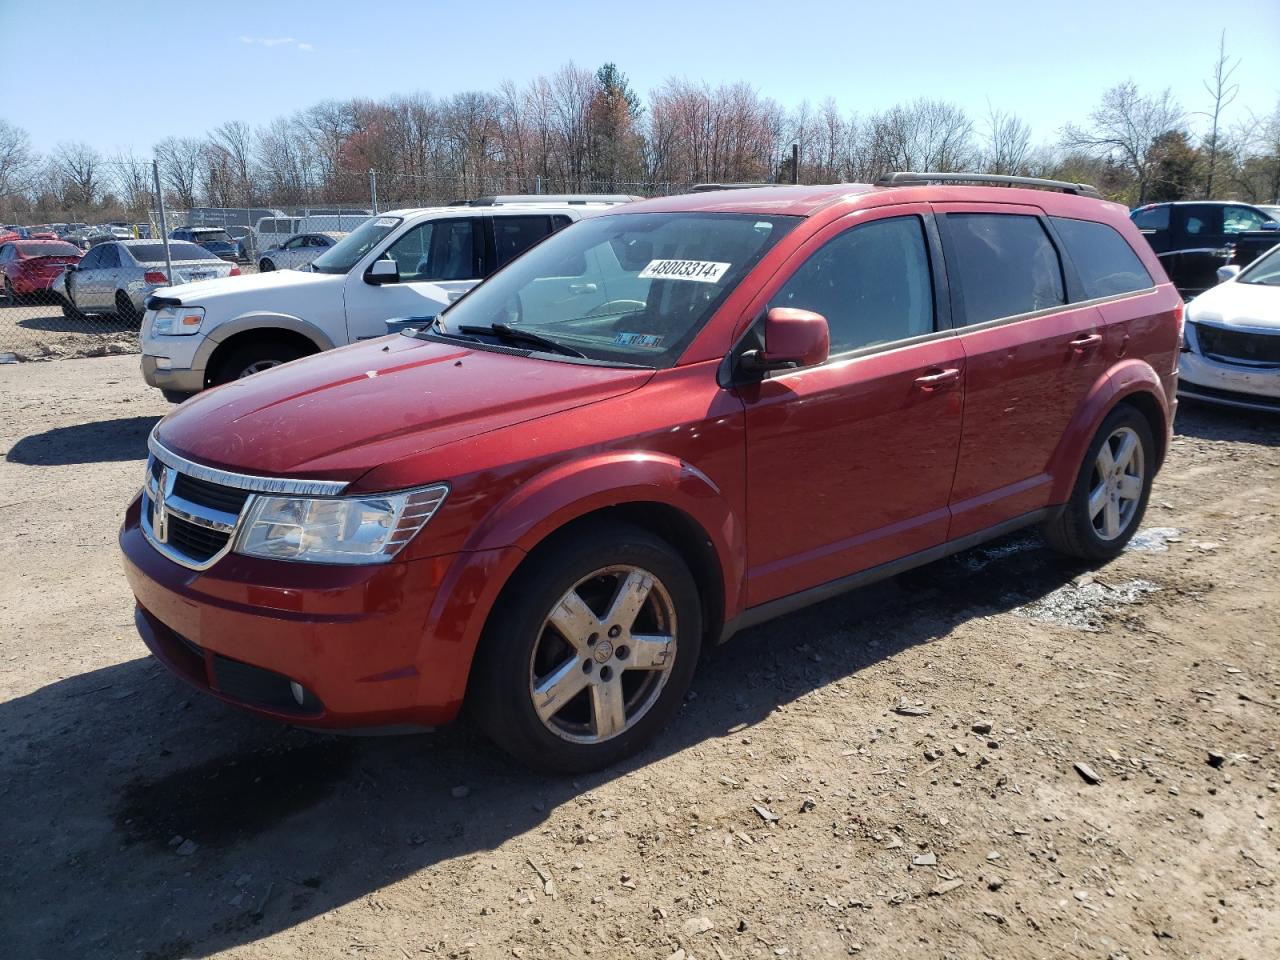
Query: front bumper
x=363 y=642
x=177 y=379
x=1228 y=384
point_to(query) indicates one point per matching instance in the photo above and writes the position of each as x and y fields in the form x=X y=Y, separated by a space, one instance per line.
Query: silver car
x=118 y=276
x=298 y=251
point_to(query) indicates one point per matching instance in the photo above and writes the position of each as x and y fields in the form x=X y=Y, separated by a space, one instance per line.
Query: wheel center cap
x=603 y=651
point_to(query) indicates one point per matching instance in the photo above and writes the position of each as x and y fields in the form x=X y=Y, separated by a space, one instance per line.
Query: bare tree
x=181 y=160
x=132 y=180
x=77 y=171
x=924 y=135
x=1125 y=126
x=1223 y=92
x=19 y=165
x=1008 y=143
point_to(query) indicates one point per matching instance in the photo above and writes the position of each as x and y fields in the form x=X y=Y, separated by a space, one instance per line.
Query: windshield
x=178 y=250
x=346 y=253
x=49 y=248
x=632 y=288
x=1265 y=270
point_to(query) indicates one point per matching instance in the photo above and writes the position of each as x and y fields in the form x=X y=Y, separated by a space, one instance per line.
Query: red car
x=658 y=426
x=30 y=266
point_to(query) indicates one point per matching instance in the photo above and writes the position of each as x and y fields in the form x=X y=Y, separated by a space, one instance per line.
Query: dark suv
x=545 y=505
x=1194 y=238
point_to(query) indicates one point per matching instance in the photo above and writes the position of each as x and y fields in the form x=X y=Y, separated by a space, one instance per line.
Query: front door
x=850 y=463
x=1030 y=358
x=439 y=261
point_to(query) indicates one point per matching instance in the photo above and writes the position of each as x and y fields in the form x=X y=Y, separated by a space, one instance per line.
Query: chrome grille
x=190 y=521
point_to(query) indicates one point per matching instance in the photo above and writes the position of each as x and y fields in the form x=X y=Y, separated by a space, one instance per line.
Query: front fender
x=569 y=491
x=258 y=321
x=1126 y=378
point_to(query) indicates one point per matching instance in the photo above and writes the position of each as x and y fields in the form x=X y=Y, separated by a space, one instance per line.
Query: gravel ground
x=999 y=755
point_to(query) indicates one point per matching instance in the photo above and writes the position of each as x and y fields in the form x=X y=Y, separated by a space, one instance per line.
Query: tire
x=265 y=266
x=126 y=312
x=254 y=357
x=522 y=651
x=1100 y=533
x=12 y=295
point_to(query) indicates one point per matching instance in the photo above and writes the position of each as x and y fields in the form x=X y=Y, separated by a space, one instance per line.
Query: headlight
x=368 y=529
x=176 y=321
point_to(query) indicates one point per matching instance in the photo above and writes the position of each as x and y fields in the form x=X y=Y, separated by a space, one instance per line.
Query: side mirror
x=382 y=271
x=1228 y=272
x=792 y=338
x=1271 y=225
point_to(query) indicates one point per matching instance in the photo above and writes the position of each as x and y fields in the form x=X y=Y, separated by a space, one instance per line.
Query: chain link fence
x=75 y=276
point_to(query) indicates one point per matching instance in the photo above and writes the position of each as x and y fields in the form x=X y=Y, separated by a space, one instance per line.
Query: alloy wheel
x=257 y=367
x=1116 y=489
x=603 y=654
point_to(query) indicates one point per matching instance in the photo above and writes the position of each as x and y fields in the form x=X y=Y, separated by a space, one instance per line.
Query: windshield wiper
x=510 y=334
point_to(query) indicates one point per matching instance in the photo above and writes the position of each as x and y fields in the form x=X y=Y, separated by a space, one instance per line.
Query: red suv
x=658 y=426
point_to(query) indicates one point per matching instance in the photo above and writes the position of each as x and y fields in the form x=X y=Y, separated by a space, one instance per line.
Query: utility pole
x=795 y=162
x=164 y=225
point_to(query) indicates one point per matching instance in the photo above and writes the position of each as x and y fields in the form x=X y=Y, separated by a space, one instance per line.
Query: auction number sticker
x=638 y=340
x=701 y=271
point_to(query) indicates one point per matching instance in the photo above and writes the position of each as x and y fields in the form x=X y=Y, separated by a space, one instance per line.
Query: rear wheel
x=254 y=357
x=589 y=652
x=1111 y=490
x=125 y=310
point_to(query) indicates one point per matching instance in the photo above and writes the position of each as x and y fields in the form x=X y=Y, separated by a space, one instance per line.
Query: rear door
x=1030 y=358
x=850 y=463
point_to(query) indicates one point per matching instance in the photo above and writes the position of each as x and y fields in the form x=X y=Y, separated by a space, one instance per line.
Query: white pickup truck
x=403 y=263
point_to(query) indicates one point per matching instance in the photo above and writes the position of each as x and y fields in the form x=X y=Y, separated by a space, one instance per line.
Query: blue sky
x=125 y=74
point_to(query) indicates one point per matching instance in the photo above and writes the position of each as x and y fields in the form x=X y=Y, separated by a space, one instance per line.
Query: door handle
x=943 y=378
x=1081 y=344
x=582 y=288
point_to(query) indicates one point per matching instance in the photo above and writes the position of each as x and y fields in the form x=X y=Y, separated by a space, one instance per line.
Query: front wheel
x=265 y=266
x=590 y=650
x=254 y=357
x=71 y=312
x=10 y=294
x=125 y=310
x=1111 y=490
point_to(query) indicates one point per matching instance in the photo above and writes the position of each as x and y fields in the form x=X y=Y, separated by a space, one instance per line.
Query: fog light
x=299 y=694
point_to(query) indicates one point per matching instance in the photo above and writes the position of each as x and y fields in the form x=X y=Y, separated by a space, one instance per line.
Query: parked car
x=271 y=232
x=1231 y=346
x=242 y=237
x=547 y=506
x=214 y=239
x=298 y=251
x=117 y=277
x=1194 y=238
x=31 y=266
x=403 y=263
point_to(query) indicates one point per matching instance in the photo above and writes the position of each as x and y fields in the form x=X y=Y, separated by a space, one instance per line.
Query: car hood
x=277 y=286
x=336 y=415
x=1252 y=306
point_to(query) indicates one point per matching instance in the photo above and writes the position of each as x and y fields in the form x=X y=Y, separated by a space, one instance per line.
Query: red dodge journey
x=658 y=426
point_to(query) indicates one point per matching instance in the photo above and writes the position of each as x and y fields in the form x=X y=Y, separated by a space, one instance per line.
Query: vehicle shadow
x=55 y=322
x=145 y=819
x=106 y=441
x=1208 y=421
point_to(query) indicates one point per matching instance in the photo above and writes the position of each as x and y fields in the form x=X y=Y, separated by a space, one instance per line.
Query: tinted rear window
x=1006 y=265
x=178 y=250
x=1151 y=218
x=49 y=249
x=1106 y=263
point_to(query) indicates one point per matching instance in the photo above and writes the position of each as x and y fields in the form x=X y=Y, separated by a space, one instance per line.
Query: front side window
x=437 y=250
x=1240 y=219
x=93 y=259
x=1005 y=263
x=872 y=283
x=1151 y=218
x=1104 y=260
x=631 y=288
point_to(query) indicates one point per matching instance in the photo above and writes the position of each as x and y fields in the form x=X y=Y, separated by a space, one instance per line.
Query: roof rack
x=708 y=187
x=520 y=198
x=906 y=178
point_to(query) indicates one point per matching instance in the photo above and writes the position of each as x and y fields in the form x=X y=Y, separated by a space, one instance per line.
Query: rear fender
x=1124 y=379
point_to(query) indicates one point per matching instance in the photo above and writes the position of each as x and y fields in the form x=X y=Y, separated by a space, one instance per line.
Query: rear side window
x=872 y=283
x=1005 y=263
x=1151 y=218
x=515 y=235
x=1104 y=260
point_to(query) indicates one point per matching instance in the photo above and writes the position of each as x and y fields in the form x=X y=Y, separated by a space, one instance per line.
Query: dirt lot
x=893 y=773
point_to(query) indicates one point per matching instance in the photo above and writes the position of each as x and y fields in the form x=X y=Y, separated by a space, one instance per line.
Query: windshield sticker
x=386 y=222
x=702 y=271
x=639 y=339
